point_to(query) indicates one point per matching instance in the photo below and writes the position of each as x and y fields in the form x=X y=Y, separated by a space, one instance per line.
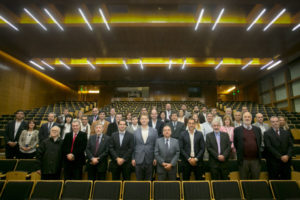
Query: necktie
x=167 y=144
x=174 y=124
x=219 y=146
x=50 y=125
x=278 y=132
x=74 y=137
x=97 y=144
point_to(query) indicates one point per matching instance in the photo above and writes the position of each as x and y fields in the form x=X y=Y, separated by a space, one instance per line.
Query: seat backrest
x=77 y=190
x=27 y=165
x=196 y=190
x=285 y=189
x=107 y=190
x=256 y=190
x=296 y=164
x=17 y=190
x=226 y=190
x=166 y=190
x=47 y=190
x=7 y=165
x=139 y=190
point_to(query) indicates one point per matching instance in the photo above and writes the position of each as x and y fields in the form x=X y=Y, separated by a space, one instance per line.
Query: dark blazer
x=212 y=148
x=78 y=148
x=159 y=126
x=124 y=151
x=185 y=146
x=109 y=119
x=112 y=127
x=201 y=118
x=176 y=133
x=10 y=131
x=277 y=146
x=102 y=152
x=239 y=142
x=91 y=119
x=45 y=132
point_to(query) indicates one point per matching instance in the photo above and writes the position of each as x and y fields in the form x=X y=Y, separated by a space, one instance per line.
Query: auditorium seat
x=255 y=189
x=284 y=189
x=15 y=175
x=166 y=190
x=264 y=170
x=226 y=190
x=136 y=190
x=77 y=190
x=2 y=183
x=193 y=190
x=296 y=169
x=47 y=190
x=17 y=190
x=233 y=169
x=27 y=165
x=7 y=165
x=105 y=190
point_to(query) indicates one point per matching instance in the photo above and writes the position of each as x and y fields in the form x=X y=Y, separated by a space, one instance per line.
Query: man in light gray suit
x=167 y=152
x=143 y=154
x=260 y=124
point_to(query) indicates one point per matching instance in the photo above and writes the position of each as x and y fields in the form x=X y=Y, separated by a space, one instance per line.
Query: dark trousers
x=12 y=152
x=279 y=170
x=72 y=172
x=94 y=173
x=250 y=169
x=144 y=171
x=187 y=168
x=27 y=155
x=164 y=175
x=51 y=176
x=220 y=172
x=116 y=170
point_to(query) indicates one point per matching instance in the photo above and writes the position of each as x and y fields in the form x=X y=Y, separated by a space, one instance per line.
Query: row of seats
x=145 y=190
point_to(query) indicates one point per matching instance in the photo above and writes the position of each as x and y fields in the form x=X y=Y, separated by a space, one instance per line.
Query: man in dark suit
x=248 y=144
x=218 y=146
x=12 y=133
x=279 y=147
x=168 y=111
x=46 y=127
x=94 y=116
x=97 y=153
x=176 y=126
x=120 y=149
x=192 y=147
x=73 y=152
x=202 y=115
x=155 y=123
x=113 y=127
x=112 y=116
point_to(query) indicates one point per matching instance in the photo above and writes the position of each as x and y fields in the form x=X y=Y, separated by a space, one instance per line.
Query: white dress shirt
x=17 y=126
x=145 y=133
x=192 y=143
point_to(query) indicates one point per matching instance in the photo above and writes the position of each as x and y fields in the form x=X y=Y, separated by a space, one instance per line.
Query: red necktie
x=74 y=137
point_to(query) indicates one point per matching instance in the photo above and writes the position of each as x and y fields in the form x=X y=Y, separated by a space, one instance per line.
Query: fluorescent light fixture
x=170 y=64
x=10 y=24
x=53 y=19
x=218 y=19
x=230 y=89
x=296 y=27
x=249 y=63
x=66 y=66
x=266 y=65
x=85 y=19
x=275 y=18
x=47 y=65
x=125 y=65
x=92 y=66
x=275 y=64
x=37 y=65
x=35 y=19
x=141 y=63
x=219 y=65
x=104 y=19
x=199 y=18
x=183 y=65
x=255 y=20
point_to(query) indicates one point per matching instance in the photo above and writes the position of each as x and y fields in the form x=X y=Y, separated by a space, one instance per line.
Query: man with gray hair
x=45 y=128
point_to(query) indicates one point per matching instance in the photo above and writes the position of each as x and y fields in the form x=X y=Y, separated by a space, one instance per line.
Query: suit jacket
x=239 y=142
x=91 y=119
x=130 y=129
x=170 y=155
x=277 y=146
x=109 y=119
x=102 y=152
x=10 y=131
x=201 y=118
x=212 y=148
x=159 y=126
x=144 y=151
x=112 y=127
x=105 y=126
x=44 y=132
x=78 y=148
x=185 y=146
x=125 y=150
x=177 y=131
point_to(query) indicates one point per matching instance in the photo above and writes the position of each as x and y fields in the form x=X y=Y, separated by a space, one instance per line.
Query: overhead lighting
x=274 y=65
x=141 y=63
x=85 y=19
x=255 y=20
x=218 y=19
x=37 y=65
x=66 y=66
x=266 y=65
x=170 y=64
x=199 y=18
x=53 y=19
x=125 y=65
x=296 y=27
x=47 y=65
x=249 y=63
x=35 y=19
x=183 y=65
x=104 y=19
x=230 y=89
x=92 y=66
x=219 y=65
x=273 y=20
x=10 y=24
